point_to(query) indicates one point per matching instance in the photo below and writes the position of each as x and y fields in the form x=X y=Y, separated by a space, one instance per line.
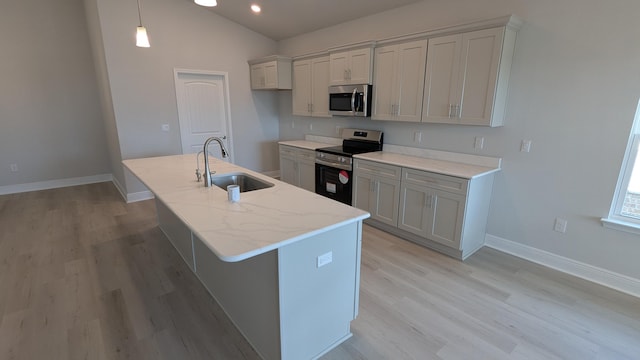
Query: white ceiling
x=281 y=19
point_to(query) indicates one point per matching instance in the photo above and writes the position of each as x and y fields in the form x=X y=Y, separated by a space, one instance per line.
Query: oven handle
x=334 y=164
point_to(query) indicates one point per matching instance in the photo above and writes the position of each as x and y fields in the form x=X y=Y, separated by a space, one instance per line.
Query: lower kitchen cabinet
x=377 y=190
x=298 y=167
x=446 y=213
x=434 y=214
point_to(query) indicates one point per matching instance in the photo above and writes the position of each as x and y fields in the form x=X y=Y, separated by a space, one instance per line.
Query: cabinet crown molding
x=512 y=22
x=353 y=46
x=269 y=58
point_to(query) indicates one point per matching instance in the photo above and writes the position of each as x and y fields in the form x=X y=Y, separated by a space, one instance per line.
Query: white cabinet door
x=462 y=77
x=302 y=87
x=384 y=74
x=384 y=204
x=257 y=76
x=360 y=66
x=289 y=165
x=351 y=67
x=414 y=215
x=377 y=190
x=363 y=186
x=479 y=64
x=339 y=65
x=310 y=87
x=410 y=80
x=271 y=75
x=446 y=217
x=399 y=73
x=320 y=87
x=441 y=83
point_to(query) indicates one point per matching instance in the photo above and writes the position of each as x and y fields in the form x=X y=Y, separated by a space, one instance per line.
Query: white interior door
x=203 y=110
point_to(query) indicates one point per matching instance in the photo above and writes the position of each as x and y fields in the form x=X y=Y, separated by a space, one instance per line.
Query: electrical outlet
x=479 y=142
x=338 y=130
x=165 y=127
x=310 y=126
x=525 y=146
x=560 y=225
x=417 y=137
x=14 y=167
x=325 y=259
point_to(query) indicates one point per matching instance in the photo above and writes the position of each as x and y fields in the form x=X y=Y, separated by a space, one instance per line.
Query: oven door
x=334 y=183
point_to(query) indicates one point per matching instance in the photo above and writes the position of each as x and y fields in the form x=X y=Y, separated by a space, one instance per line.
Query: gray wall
x=183 y=35
x=50 y=118
x=574 y=90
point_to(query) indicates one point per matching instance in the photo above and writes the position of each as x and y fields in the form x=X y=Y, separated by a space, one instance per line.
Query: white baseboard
x=139 y=196
x=620 y=282
x=120 y=188
x=53 y=184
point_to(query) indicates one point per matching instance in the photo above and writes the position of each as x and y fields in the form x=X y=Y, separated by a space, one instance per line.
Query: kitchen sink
x=245 y=181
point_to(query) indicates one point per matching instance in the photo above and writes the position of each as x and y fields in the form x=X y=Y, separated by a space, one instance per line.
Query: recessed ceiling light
x=255 y=8
x=207 y=3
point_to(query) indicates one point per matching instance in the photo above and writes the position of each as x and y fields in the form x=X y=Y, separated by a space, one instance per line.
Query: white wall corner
x=620 y=282
x=120 y=188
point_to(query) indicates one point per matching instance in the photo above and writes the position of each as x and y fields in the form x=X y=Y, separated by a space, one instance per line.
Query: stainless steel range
x=334 y=165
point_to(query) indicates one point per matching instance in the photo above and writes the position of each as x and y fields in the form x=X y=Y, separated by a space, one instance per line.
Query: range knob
x=342 y=159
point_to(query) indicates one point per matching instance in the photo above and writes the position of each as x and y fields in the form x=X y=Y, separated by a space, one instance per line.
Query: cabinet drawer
x=435 y=181
x=377 y=169
x=287 y=150
x=304 y=154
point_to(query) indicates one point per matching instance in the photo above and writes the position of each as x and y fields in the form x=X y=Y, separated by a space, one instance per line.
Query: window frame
x=615 y=219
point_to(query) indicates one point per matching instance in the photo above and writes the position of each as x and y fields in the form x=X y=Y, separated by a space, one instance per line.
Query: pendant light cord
x=139 y=13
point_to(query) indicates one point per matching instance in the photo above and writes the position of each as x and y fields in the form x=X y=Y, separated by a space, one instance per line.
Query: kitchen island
x=283 y=262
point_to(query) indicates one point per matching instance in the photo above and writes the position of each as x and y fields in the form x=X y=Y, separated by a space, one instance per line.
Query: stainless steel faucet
x=207 y=172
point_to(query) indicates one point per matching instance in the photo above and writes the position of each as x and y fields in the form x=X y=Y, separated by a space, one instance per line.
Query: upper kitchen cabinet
x=399 y=81
x=467 y=76
x=351 y=66
x=310 y=84
x=271 y=73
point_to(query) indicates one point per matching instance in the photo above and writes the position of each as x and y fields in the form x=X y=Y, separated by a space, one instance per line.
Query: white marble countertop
x=261 y=221
x=451 y=168
x=305 y=144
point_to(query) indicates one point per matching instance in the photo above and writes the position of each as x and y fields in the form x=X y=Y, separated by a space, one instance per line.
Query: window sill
x=621 y=225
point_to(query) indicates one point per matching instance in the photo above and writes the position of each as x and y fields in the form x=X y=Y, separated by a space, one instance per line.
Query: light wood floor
x=85 y=276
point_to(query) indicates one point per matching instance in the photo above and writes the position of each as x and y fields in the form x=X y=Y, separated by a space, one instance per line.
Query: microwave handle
x=353 y=101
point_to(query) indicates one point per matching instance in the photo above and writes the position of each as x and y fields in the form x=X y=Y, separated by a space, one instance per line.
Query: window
x=625 y=207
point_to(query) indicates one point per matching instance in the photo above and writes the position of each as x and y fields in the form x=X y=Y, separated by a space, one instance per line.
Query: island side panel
x=248 y=293
x=317 y=304
x=176 y=231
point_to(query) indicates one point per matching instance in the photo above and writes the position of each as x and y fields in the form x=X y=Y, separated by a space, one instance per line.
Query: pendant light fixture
x=142 y=40
x=208 y=3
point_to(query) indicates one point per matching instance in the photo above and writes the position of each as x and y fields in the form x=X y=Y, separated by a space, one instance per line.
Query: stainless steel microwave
x=350 y=100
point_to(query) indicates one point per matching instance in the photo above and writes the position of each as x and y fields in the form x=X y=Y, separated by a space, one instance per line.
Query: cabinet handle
x=456 y=108
x=397 y=112
x=450 y=109
x=346 y=76
x=349 y=74
x=427 y=202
